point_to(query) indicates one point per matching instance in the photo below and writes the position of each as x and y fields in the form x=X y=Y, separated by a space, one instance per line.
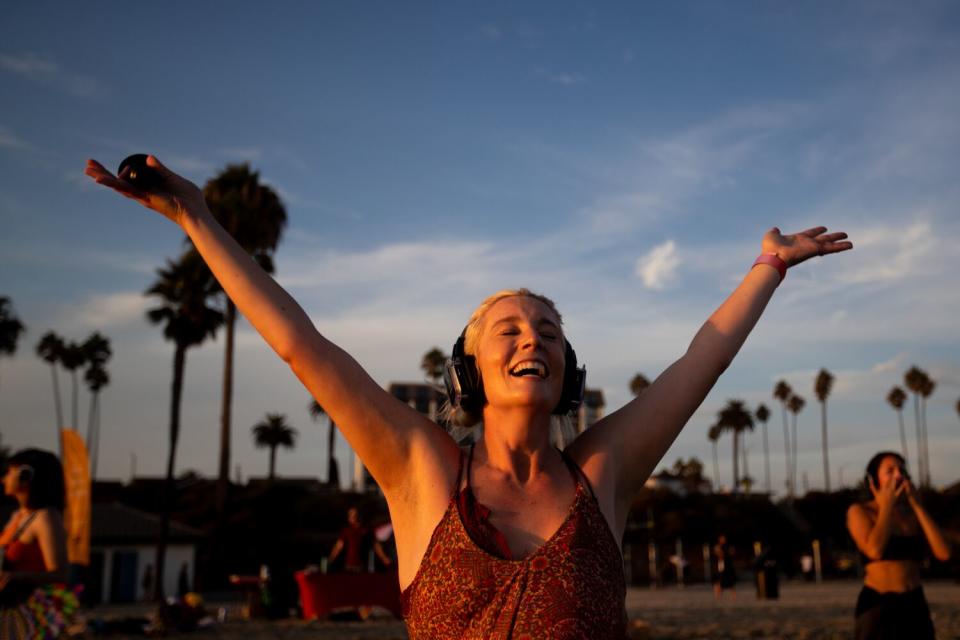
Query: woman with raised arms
x=511 y=538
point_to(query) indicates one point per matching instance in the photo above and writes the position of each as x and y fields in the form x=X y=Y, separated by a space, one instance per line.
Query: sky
x=623 y=159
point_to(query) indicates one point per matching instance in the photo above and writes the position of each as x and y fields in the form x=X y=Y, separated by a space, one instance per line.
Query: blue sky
x=624 y=159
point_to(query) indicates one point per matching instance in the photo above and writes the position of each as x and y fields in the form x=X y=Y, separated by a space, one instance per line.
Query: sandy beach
x=804 y=611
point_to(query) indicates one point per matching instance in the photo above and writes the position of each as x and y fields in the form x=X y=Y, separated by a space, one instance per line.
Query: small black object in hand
x=138 y=173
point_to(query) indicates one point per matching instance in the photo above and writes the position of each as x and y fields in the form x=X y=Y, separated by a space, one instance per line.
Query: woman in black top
x=893 y=531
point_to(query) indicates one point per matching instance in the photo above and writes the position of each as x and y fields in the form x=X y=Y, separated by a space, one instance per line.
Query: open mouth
x=532 y=368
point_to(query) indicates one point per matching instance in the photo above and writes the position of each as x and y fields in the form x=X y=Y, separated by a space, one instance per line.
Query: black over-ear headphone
x=465 y=389
x=25 y=474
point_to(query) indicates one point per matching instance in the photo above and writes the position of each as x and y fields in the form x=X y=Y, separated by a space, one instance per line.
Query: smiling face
x=520 y=354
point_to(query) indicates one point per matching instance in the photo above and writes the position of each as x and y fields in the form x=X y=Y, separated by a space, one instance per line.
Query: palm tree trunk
x=333 y=473
x=273 y=460
x=786 y=454
x=57 y=405
x=826 y=460
x=927 y=481
x=916 y=416
x=74 y=404
x=746 y=466
x=90 y=418
x=226 y=402
x=903 y=435
x=716 y=466
x=94 y=446
x=179 y=361
x=766 y=459
x=736 y=461
x=793 y=463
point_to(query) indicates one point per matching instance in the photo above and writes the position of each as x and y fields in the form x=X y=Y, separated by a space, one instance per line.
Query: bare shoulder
x=860 y=512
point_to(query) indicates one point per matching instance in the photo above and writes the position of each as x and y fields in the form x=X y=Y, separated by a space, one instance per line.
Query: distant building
x=123 y=544
x=591 y=410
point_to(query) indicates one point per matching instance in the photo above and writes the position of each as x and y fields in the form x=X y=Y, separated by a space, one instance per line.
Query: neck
x=22 y=499
x=516 y=443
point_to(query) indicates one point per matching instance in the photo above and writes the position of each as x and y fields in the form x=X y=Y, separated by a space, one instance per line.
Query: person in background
x=894 y=533
x=33 y=600
x=354 y=542
x=725 y=576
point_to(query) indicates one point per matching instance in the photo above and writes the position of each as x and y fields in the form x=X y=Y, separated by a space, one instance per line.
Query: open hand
x=887 y=495
x=174 y=198
x=796 y=248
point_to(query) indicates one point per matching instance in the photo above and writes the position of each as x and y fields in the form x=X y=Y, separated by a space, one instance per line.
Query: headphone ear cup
x=574 y=383
x=462 y=379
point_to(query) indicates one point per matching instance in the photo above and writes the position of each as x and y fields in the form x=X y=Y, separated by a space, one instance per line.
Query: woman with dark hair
x=512 y=537
x=894 y=533
x=34 y=544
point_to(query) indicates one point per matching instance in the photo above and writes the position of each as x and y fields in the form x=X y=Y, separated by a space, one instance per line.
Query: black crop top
x=900 y=547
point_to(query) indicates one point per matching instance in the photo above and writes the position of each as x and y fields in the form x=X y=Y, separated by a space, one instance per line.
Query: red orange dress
x=572 y=586
x=27 y=611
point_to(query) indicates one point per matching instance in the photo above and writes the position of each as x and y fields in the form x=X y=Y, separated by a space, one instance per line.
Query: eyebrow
x=540 y=322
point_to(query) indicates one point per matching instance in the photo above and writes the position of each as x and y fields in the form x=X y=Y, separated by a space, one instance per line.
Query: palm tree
x=182 y=290
x=97 y=352
x=96 y=378
x=896 y=398
x=273 y=431
x=433 y=364
x=49 y=349
x=821 y=388
x=763 y=414
x=795 y=405
x=333 y=469
x=713 y=434
x=10 y=328
x=638 y=384
x=926 y=390
x=253 y=214
x=735 y=417
x=782 y=392
x=958 y=407
x=913 y=380
x=72 y=358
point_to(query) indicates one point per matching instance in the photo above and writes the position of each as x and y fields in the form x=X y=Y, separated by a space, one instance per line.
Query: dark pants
x=882 y=616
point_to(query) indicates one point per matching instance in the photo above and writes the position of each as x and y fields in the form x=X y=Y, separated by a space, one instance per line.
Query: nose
x=531 y=340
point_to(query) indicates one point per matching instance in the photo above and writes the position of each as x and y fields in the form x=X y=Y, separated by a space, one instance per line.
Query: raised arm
x=872 y=532
x=390 y=437
x=938 y=544
x=623 y=448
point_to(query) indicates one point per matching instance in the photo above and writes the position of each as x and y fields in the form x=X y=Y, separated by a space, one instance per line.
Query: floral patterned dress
x=572 y=586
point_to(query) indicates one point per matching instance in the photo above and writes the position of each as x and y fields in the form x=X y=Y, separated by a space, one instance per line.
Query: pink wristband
x=774 y=261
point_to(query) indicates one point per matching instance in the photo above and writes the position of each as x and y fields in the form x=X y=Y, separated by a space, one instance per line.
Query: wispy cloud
x=658 y=267
x=107 y=311
x=46 y=71
x=565 y=78
x=11 y=141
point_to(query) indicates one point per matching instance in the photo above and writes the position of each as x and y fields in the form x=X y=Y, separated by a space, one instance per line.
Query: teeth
x=521 y=368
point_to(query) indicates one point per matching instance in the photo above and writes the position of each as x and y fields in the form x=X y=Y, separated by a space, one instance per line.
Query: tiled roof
x=117 y=523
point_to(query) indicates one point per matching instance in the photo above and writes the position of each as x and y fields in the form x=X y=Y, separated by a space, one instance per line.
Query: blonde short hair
x=466 y=425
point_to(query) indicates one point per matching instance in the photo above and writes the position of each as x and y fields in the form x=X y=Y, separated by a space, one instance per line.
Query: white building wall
x=147 y=555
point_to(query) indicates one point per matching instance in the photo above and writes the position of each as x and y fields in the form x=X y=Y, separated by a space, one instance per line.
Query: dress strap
x=577 y=472
x=469 y=464
x=456 y=486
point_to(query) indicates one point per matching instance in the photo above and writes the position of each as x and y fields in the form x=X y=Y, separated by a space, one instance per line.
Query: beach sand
x=804 y=611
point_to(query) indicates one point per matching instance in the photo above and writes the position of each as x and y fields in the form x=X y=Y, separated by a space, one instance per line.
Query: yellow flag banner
x=76 y=472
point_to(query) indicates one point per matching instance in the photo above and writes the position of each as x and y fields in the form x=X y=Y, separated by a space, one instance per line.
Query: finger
x=835 y=247
x=153 y=162
x=813 y=232
x=833 y=237
x=93 y=164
